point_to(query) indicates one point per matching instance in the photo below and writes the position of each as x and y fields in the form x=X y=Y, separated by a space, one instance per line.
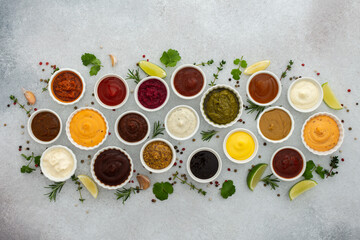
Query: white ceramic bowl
x=68 y=129
x=103 y=184
x=117 y=132
x=137 y=89
x=173 y=78
x=193 y=133
x=255 y=141
x=291 y=130
x=199 y=179
x=97 y=96
x=203 y=111
x=279 y=90
x=158 y=170
x=50 y=86
x=30 y=122
x=341 y=136
x=46 y=174
x=321 y=95
x=288 y=179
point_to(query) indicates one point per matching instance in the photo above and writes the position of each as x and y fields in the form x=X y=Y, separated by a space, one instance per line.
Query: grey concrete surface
x=324 y=35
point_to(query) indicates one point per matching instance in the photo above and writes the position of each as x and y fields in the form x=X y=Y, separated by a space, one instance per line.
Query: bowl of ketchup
x=111 y=91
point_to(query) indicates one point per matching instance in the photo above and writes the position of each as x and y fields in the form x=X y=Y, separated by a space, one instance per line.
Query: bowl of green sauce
x=221 y=106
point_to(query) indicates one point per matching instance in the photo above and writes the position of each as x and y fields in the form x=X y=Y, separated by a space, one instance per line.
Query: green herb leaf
x=26 y=169
x=237 y=61
x=236 y=73
x=94 y=70
x=162 y=190
x=272 y=182
x=320 y=170
x=133 y=74
x=243 y=64
x=254 y=108
x=227 y=189
x=206 y=136
x=87 y=58
x=158 y=129
x=170 y=58
x=310 y=165
x=37 y=160
x=55 y=189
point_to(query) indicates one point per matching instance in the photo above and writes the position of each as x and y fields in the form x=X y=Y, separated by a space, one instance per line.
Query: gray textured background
x=322 y=34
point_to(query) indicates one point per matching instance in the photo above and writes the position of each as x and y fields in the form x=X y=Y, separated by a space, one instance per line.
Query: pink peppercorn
x=109 y=133
x=349 y=90
x=318 y=74
x=40 y=63
x=35 y=109
x=143 y=56
x=147 y=60
x=303 y=65
x=181 y=161
x=47 y=63
x=342 y=159
x=229 y=169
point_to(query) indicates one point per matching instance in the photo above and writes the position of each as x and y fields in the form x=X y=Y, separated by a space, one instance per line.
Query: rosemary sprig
x=207 y=135
x=30 y=158
x=125 y=193
x=272 y=182
x=158 y=129
x=15 y=101
x=211 y=61
x=254 y=108
x=184 y=181
x=134 y=74
x=79 y=187
x=288 y=68
x=56 y=188
x=216 y=75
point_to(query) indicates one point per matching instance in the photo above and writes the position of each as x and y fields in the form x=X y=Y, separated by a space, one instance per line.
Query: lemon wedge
x=330 y=98
x=89 y=184
x=152 y=69
x=262 y=65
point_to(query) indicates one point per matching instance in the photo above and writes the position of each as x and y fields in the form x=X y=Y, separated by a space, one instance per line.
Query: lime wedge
x=255 y=174
x=152 y=69
x=89 y=184
x=262 y=65
x=301 y=187
x=329 y=97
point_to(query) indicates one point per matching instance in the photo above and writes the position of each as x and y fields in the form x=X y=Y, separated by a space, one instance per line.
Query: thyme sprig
x=79 y=187
x=216 y=75
x=30 y=158
x=184 y=181
x=272 y=182
x=334 y=163
x=207 y=135
x=22 y=106
x=254 y=108
x=158 y=129
x=209 y=62
x=55 y=189
x=288 y=68
x=134 y=74
x=125 y=193
x=48 y=80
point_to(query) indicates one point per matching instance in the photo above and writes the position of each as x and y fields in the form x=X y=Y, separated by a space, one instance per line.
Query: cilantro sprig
x=31 y=158
x=162 y=190
x=322 y=172
x=88 y=58
x=170 y=58
x=236 y=72
x=227 y=189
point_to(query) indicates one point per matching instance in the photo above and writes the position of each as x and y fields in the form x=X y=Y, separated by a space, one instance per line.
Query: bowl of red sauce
x=67 y=86
x=188 y=81
x=151 y=94
x=111 y=91
x=263 y=88
x=288 y=163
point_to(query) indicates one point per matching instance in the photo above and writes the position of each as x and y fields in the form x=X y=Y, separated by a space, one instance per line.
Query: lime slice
x=89 y=184
x=262 y=65
x=329 y=97
x=301 y=187
x=152 y=69
x=255 y=174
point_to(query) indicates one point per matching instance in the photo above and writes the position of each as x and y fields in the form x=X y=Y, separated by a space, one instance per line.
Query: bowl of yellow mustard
x=87 y=128
x=322 y=133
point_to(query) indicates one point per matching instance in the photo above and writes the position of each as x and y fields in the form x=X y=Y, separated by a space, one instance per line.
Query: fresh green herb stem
x=272 y=182
x=192 y=186
x=288 y=68
x=134 y=74
x=22 y=106
x=79 y=187
x=158 y=129
x=31 y=158
x=236 y=73
x=210 y=62
x=207 y=135
x=216 y=75
x=55 y=189
x=124 y=193
x=254 y=108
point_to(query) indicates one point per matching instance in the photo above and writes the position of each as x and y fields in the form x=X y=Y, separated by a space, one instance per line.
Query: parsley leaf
x=170 y=58
x=236 y=72
x=310 y=165
x=228 y=189
x=88 y=58
x=26 y=169
x=320 y=170
x=162 y=190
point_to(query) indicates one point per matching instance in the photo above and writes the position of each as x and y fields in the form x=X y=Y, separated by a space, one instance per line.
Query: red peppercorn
x=342 y=159
x=113 y=110
x=211 y=183
x=183 y=149
x=225 y=180
x=175 y=164
x=302 y=64
x=181 y=161
x=36 y=165
x=40 y=63
x=147 y=60
x=19 y=149
x=134 y=170
x=109 y=133
x=318 y=74
x=349 y=90
x=228 y=169
x=143 y=56
x=47 y=63
x=35 y=109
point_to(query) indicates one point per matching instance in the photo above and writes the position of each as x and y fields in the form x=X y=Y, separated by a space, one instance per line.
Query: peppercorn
x=264 y=144
x=4 y=124
x=92 y=103
x=75 y=107
x=278 y=195
x=193 y=139
x=183 y=149
x=89 y=156
x=153 y=200
x=235 y=170
x=217 y=136
x=8 y=105
x=350 y=128
x=27 y=149
x=22 y=126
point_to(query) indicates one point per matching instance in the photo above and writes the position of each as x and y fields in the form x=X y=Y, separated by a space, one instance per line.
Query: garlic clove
x=113 y=60
x=30 y=97
x=144 y=181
